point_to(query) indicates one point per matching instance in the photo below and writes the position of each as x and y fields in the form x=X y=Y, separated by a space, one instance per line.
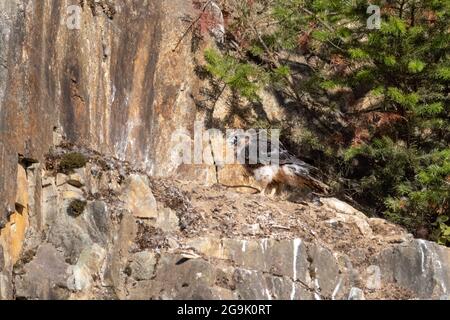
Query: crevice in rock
x=155 y=269
x=26 y=162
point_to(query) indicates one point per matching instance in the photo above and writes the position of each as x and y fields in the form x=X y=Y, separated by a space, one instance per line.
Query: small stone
x=374 y=278
x=139 y=197
x=172 y=243
x=356 y=294
x=75 y=180
x=69 y=192
x=61 y=179
x=340 y=206
x=6 y=290
x=252 y=229
x=142 y=265
x=333 y=223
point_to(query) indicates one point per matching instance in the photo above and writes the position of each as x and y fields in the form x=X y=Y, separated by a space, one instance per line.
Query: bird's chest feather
x=288 y=176
x=266 y=173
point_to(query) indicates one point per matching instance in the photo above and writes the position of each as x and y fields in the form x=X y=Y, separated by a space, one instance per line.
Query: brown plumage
x=289 y=170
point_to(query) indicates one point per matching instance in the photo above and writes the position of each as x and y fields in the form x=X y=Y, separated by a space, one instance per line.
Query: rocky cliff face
x=113 y=84
x=109 y=228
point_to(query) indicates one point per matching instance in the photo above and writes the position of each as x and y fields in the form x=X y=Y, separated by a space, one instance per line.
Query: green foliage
x=443 y=73
x=389 y=60
x=400 y=168
x=416 y=183
x=245 y=78
x=328 y=84
x=393 y=27
x=71 y=161
x=310 y=141
x=358 y=53
x=401 y=98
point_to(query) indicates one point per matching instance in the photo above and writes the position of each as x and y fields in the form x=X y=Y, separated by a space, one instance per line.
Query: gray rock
x=167 y=220
x=99 y=212
x=288 y=258
x=49 y=204
x=217 y=25
x=45 y=277
x=325 y=269
x=177 y=278
x=418 y=266
x=89 y=264
x=252 y=229
x=283 y=288
x=284 y=258
x=117 y=258
x=143 y=265
x=71 y=235
x=251 y=285
x=256 y=285
x=6 y=288
x=76 y=234
x=356 y=294
x=96 y=222
x=36 y=223
x=78 y=178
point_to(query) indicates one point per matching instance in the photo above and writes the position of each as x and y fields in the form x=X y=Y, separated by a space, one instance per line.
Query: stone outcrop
x=195 y=242
x=139 y=197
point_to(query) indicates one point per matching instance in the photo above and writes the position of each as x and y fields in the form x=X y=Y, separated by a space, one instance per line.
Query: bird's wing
x=288 y=158
x=306 y=177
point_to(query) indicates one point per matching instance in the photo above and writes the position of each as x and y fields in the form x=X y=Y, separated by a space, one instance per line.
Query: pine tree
x=400 y=165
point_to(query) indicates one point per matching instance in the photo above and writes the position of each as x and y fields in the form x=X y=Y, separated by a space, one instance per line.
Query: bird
x=288 y=170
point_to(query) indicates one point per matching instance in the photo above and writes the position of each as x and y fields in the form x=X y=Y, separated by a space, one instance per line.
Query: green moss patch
x=71 y=161
x=76 y=208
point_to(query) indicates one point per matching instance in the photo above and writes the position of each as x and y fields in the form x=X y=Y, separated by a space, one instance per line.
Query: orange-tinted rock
x=13 y=235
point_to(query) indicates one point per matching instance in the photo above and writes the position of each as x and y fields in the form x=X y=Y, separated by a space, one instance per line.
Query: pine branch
x=191 y=26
